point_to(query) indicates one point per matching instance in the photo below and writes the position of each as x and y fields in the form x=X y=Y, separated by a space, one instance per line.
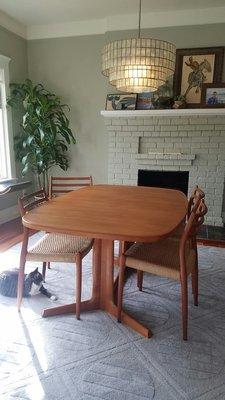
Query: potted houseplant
x=45 y=135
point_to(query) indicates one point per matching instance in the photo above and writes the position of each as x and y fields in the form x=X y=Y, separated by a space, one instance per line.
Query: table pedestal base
x=103 y=290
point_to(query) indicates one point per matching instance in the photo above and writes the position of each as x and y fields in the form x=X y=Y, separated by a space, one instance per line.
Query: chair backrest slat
x=60 y=185
x=71 y=178
x=32 y=200
x=69 y=184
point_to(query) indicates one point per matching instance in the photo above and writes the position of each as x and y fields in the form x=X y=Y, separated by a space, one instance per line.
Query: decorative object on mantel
x=161 y=99
x=163 y=103
x=139 y=64
x=120 y=102
x=195 y=67
x=213 y=95
x=179 y=102
x=165 y=98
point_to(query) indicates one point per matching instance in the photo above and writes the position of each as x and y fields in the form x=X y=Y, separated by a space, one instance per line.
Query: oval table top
x=128 y=213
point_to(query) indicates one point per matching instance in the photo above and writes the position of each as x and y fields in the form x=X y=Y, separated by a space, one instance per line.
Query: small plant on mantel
x=45 y=135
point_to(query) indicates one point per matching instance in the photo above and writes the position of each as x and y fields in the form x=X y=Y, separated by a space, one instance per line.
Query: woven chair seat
x=160 y=258
x=57 y=247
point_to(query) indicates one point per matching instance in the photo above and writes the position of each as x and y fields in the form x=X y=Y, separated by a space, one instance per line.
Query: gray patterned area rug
x=60 y=358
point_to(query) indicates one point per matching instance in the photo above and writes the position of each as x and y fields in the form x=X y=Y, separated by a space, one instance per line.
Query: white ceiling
x=33 y=15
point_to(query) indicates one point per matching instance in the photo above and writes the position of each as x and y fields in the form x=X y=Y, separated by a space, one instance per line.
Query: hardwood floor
x=11 y=233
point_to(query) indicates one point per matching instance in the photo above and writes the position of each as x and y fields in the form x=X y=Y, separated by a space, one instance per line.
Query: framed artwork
x=194 y=67
x=145 y=101
x=213 y=95
x=121 y=101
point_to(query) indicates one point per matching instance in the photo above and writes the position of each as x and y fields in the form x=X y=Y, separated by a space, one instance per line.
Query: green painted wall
x=71 y=67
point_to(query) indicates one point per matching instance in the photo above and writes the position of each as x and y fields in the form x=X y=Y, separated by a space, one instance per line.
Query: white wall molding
x=8 y=214
x=213 y=15
x=66 y=29
x=12 y=25
x=163 y=19
x=125 y=22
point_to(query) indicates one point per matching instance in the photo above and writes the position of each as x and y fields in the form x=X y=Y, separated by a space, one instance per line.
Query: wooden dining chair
x=169 y=258
x=196 y=193
x=52 y=247
x=62 y=185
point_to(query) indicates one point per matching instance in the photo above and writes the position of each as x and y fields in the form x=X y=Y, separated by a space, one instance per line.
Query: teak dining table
x=108 y=213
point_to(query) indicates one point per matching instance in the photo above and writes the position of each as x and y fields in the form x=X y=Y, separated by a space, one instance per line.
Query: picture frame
x=145 y=101
x=213 y=95
x=117 y=101
x=194 y=67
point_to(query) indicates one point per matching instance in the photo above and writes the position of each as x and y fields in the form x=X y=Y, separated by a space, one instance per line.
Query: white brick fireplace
x=169 y=140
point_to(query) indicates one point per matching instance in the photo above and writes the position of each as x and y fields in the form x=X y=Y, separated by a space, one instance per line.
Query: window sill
x=12 y=185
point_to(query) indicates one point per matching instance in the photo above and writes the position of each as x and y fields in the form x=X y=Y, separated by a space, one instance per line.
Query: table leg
x=107 y=290
x=103 y=289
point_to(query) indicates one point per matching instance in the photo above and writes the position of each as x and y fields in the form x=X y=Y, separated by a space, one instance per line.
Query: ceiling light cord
x=139 y=20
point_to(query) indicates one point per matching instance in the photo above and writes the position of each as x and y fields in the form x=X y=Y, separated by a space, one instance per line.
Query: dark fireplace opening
x=164 y=179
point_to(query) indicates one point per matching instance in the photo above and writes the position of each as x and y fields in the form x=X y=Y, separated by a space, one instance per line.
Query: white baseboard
x=7 y=214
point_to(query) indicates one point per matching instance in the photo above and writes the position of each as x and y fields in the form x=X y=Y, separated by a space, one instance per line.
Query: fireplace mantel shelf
x=163 y=113
x=165 y=156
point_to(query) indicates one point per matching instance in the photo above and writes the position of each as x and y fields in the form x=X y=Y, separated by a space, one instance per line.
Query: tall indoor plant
x=45 y=135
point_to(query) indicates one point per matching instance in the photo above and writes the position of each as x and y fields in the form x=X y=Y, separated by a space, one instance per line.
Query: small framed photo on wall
x=194 y=67
x=213 y=95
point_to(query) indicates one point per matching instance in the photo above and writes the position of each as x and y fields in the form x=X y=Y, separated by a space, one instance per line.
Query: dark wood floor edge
x=11 y=233
x=211 y=243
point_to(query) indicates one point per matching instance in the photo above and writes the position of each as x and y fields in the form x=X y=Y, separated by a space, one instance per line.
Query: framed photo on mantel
x=121 y=101
x=213 y=95
x=194 y=67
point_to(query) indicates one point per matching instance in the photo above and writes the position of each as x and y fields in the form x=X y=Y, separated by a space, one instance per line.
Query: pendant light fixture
x=140 y=64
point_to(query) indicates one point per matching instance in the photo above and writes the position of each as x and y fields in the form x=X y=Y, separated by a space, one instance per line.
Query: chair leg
x=139 y=279
x=194 y=278
x=21 y=268
x=120 y=288
x=184 y=295
x=48 y=264
x=78 y=284
x=44 y=270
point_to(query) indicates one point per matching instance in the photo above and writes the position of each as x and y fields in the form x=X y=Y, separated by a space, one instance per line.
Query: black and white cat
x=33 y=284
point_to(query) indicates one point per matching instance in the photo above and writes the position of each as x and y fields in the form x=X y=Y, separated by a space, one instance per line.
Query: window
x=7 y=166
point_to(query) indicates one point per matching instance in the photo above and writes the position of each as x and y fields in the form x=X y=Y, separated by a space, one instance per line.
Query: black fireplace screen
x=164 y=179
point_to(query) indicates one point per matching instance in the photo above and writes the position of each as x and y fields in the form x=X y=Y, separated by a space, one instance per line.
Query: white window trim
x=7 y=121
